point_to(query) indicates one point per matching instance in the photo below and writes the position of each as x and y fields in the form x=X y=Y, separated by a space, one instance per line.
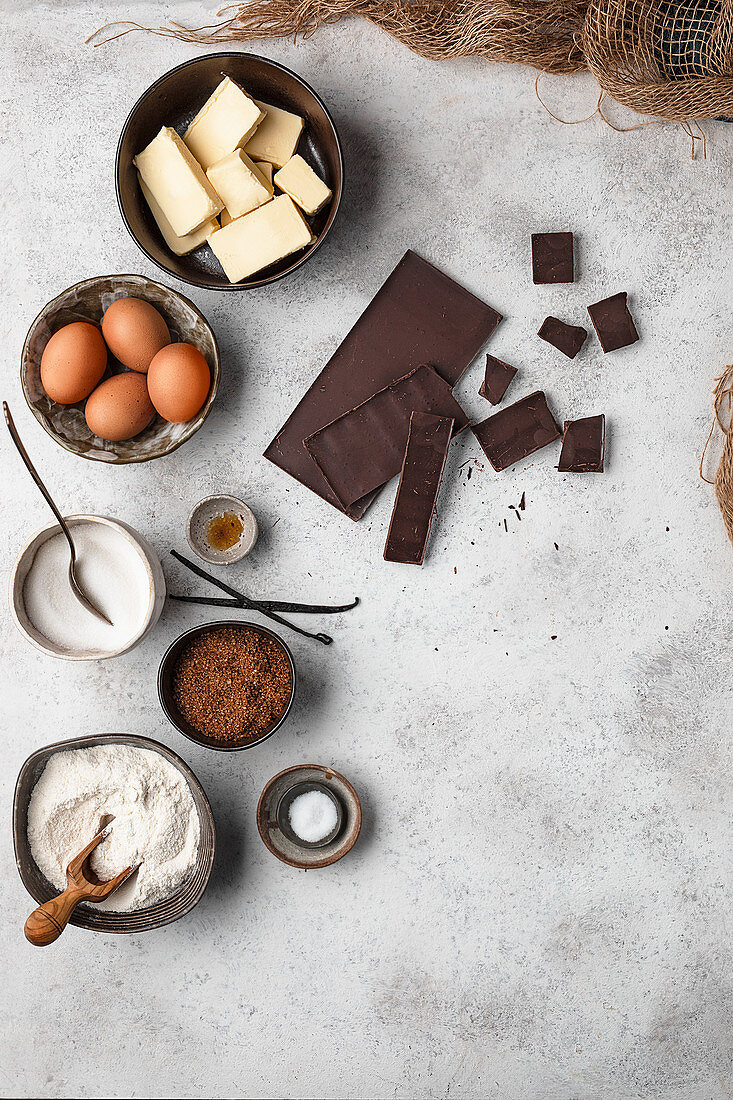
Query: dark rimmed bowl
x=283 y=813
x=142 y=920
x=87 y=301
x=173 y=100
x=165 y=684
x=273 y=837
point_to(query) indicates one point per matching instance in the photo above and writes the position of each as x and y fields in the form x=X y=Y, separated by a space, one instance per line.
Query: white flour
x=156 y=821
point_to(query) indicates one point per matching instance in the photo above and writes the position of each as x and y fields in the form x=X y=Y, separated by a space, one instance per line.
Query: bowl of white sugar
x=116 y=566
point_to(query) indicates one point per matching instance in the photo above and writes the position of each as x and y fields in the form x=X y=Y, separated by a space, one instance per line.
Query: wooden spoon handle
x=47 y=922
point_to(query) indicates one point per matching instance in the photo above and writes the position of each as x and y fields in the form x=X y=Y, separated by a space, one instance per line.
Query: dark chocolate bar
x=422 y=473
x=553 y=259
x=419 y=315
x=361 y=450
x=568 y=339
x=496 y=381
x=517 y=431
x=583 y=446
x=613 y=322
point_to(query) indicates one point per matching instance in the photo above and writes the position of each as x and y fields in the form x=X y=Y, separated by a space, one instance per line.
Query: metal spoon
x=75 y=586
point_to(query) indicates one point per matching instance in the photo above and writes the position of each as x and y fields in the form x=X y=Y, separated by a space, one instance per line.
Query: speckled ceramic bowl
x=211 y=508
x=87 y=301
x=295 y=854
x=87 y=916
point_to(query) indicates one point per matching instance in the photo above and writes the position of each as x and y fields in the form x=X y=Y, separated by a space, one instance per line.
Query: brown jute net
x=669 y=58
x=723 y=481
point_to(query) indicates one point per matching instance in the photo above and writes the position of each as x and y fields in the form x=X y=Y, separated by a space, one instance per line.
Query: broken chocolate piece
x=496 y=381
x=583 y=446
x=568 y=339
x=422 y=473
x=517 y=431
x=361 y=450
x=613 y=322
x=553 y=258
x=418 y=316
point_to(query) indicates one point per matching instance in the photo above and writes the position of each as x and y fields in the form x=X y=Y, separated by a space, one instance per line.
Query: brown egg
x=134 y=331
x=120 y=408
x=73 y=361
x=179 y=382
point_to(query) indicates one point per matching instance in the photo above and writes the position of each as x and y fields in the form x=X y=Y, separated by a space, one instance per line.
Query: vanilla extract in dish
x=224 y=531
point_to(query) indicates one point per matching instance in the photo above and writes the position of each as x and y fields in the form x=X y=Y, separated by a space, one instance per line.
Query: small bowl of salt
x=310 y=815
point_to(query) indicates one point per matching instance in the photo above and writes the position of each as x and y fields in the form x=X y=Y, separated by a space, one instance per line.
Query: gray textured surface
x=538 y=906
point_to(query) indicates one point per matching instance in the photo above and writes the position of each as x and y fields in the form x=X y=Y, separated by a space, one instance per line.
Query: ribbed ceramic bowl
x=165 y=684
x=87 y=301
x=86 y=916
x=173 y=100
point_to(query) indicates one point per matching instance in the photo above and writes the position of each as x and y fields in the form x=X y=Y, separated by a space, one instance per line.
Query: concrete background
x=541 y=737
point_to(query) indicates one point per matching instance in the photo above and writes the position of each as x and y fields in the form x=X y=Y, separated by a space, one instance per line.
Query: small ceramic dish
x=87 y=916
x=87 y=301
x=294 y=854
x=283 y=814
x=151 y=565
x=215 y=508
x=173 y=100
x=165 y=684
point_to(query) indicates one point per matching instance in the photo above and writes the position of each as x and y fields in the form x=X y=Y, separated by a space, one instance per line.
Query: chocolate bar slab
x=583 y=446
x=496 y=381
x=422 y=473
x=517 y=431
x=361 y=450
x=568 y=339
x=418 y=316
x=613 y=322
x=553 y=258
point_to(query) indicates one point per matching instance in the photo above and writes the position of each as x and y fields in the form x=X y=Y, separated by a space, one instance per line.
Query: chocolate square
x=568 y=339
x=613 y=322
x=517 y=431
x=496 y=381
x=583 y=446
x=553 y=258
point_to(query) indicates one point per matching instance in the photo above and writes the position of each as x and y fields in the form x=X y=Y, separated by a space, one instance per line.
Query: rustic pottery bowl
x=87 y=916
x=165 y=684
x=173 y=100
x=283 y=813
x=296 y=855
x=87 y=301
x=153 y=570
x=210 y=508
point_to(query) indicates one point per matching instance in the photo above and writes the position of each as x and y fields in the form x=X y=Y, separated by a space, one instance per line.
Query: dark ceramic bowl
x=165 y=685
x=87 y=301
x=280 y=844
x=86 y=916
x=173 y=100
x=283 y=813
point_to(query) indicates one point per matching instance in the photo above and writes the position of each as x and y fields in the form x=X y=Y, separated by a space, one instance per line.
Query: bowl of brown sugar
x=228 y=684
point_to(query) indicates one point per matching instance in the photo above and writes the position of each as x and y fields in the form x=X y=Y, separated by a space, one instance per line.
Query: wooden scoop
x=47 y=922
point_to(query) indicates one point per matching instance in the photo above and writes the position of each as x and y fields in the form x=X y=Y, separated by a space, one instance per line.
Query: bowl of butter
x=229 y=171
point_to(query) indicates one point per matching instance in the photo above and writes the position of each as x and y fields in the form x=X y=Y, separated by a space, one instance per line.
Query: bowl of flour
x=162 y=824
x=117 y=567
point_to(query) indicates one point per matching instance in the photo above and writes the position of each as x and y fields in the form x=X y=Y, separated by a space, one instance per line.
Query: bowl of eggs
x=120 y=369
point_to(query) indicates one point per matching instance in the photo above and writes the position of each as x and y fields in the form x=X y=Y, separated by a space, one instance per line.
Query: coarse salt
x=313 y=816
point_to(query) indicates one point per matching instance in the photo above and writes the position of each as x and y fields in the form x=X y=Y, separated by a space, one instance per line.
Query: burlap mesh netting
x=669 y=58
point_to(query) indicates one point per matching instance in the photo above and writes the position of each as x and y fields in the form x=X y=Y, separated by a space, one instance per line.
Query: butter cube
x=276 y=137
x=261 y=238
x=181 y=246
x=298 y=180
x=264 y=168
x=225 y=217
x=177 y=182
x=239 y=184
x=227 y=119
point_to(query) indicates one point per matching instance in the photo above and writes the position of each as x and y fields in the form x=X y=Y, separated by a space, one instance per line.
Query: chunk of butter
x=227 y=119
x=307 y=189
x=261 y=238
x=177 y=182
x=225 y=217
x=264 y=168
x=181 y=246
x=239 y=183
x=276 y=137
